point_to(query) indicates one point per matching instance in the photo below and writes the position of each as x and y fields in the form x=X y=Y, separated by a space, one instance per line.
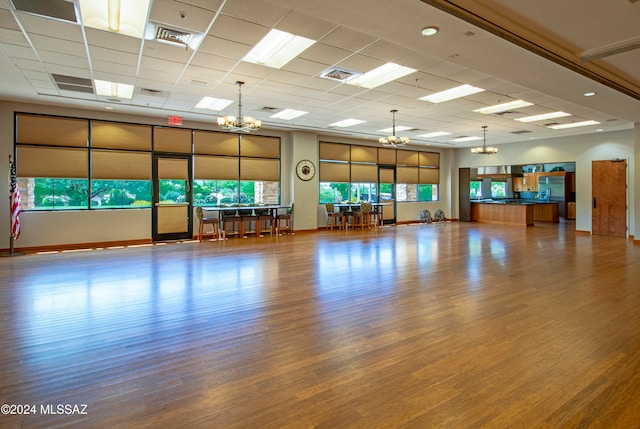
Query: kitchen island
x=513 y=212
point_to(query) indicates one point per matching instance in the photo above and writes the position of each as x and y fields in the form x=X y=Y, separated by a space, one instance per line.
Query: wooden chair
x=333 y=216
x=231 y=222
x=265 y=221
x=375 y=215
x=284 y=221
x=248 y=223
x=365 y=209
x=354 y=217
x=202 y=221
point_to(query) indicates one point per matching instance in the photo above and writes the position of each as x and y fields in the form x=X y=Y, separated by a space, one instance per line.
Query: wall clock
x=305 y=170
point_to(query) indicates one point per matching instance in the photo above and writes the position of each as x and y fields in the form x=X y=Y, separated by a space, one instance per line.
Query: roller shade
x=120 y=165
x=213 y=143
x=171 y=140
x=334 y=151
x=429 y=159
x=52 y=162
x=259 y=169
x=407 y=175
x=386 y=175
x=175 y=169
x=407 y=157
x=113 y=135
x=215 y=168
x=364 y=173
x=364 y=154
x=334 y=172
x=259 y=146
x=386 y=156
x=429 y=176
x=53 y=131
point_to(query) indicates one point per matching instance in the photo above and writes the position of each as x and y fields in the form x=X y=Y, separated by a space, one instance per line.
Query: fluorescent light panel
x=128 y=17
x=398 y=128
x=213 y=103
x=113 y=89
x=503 y=107
x=543 y=116
x=434 y=134
x=451 y=94
x=573 y=125
x=288 y=114
x=380 y=75
x=466 y=139
x=347 y=123
x=277 y=48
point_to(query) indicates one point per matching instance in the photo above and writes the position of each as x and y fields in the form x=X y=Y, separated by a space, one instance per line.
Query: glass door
x=387 y=193
x=172 y=196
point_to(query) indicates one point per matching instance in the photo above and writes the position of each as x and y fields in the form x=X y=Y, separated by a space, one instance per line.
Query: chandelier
x=393 y=140
x=484 y=150
x=245 y=124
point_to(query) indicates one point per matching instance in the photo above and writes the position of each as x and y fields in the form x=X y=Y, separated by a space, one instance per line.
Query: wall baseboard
x=580 y=232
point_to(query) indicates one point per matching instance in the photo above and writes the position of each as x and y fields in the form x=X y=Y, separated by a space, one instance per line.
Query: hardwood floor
x=425 y=326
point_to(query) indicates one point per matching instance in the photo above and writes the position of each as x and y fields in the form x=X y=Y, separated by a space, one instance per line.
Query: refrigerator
x=551 y=188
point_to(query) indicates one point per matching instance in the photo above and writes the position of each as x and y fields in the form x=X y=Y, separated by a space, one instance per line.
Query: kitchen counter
x=514 y=211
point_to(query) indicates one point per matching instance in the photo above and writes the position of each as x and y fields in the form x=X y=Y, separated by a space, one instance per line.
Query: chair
x=247 y=218
x=354 y=217
x=284 y=221
x=231 y=218
x=375 y=215
x=333 y=216
x=265 y=221
x=365 y=209
x=202 y=221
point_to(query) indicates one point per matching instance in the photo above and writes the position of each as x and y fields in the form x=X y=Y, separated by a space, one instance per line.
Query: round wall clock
x=305 y=170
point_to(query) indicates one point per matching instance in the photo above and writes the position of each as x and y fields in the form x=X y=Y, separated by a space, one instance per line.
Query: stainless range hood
x=500 y=171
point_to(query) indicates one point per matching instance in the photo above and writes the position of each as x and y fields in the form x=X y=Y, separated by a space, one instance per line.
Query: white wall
x=583 y=150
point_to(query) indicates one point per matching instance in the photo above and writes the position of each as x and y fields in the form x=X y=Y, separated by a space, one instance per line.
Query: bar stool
x=332 y=216
x=231 y=218
x=284 y=221
x=247 y=218
x=202 y=221
x=265 y=221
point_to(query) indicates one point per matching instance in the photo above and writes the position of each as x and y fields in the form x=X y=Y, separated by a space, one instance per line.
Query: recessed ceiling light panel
x=543 y=116
x=451 y=94
x=277 y=48
x=381 y=75
x=573 y=125
x=288 y=114
x=347 y=123
x=503 y=107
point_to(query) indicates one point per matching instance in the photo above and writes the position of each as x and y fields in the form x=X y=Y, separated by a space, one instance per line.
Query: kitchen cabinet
x=518 y=184
x=530 y=181
x=571 y=210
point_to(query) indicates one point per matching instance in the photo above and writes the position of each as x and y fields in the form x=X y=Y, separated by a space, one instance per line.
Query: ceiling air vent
x=520 y=132
x=153 y=92
x=339 y=74
x=58 y=9
x=72 y=83
x=173 y=37
x=269 y=109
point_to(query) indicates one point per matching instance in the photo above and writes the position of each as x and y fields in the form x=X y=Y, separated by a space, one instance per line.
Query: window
x=215 y=192
x=475 y=189
x=498 y=189
x=364 y=192
x=111 y=194
x=428 y=193
x=54 y=193
x=334 y=192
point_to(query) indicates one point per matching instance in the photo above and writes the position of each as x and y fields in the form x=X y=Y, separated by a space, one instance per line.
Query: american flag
x=14 y=202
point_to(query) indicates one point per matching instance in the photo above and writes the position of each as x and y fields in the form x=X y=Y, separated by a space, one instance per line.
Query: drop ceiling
x=546 y=52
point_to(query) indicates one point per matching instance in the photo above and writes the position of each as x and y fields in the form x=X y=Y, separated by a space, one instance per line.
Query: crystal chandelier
x=484 y=150
x=244 y=124
x=393 y=140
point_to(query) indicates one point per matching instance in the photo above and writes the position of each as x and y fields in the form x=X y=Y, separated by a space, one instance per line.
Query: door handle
x=594 y=202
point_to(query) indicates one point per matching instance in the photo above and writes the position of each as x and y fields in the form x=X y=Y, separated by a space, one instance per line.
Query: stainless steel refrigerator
x=551 y=188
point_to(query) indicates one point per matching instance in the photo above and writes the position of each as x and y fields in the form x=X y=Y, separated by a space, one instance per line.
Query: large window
x=70 y=163
x=498 y=189
x=475 y=189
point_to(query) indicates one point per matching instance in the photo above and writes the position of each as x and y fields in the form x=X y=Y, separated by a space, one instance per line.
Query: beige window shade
x=52 y=162
x=215 y=168
x=260 y=147
x=259 y=169
x=407 y=175
x=364 y=154
x=334 y=151
x=386 y=156
x=114 y=135
x=52 y=131
x=111 y=164
x=429 y=159
x=213 y=143
x=175 y=169
x=171 y=140
x=429 y=176
x=407 y=157
x=334 y=172
x=364 y=173
x=386 y=175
